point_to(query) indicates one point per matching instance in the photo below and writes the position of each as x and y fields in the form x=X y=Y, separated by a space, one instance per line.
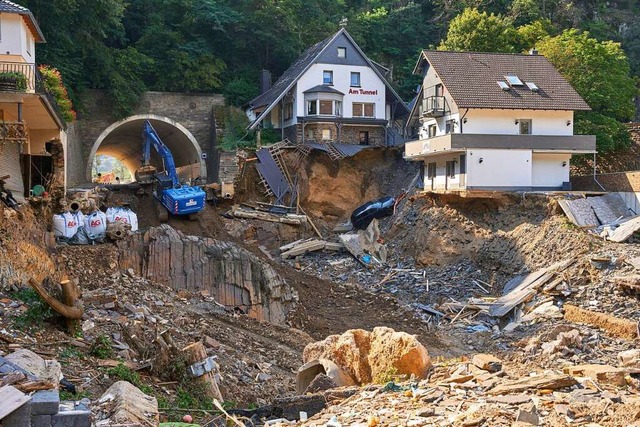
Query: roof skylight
x=533 y=87
x=503 y=85
x=514 y=80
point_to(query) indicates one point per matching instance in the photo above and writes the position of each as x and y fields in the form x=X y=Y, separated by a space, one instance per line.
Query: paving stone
x=41 y=421
x=72 y=414
x=45 y=402
x=18 y=418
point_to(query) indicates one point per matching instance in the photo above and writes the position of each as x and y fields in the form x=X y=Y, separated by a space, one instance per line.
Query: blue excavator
x=178 y=199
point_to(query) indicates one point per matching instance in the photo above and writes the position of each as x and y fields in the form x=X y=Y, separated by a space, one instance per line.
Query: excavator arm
x=150 y=139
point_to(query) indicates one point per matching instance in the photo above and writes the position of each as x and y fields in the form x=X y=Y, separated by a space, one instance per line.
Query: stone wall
x=193 y=111
x=232 y=275
x=348 y=134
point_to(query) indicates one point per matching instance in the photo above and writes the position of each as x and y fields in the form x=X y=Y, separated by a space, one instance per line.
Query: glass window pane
x=338 y=108
x=326 y=134
x=342 y=52
x=355 y=79
x=326 y=107
x=312 y=108
x=368 y=110
x=327 y=77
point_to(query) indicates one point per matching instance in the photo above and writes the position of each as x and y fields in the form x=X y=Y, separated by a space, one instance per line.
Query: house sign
x=362 y=92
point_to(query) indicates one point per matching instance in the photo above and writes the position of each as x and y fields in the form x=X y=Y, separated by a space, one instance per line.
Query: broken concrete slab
x=310 y=370
x=366 y=242
x=488 y=362
x=46 y=370
x=602 y=374
x=124 y=403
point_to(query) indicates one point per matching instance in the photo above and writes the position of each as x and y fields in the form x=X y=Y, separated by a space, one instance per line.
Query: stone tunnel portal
x=123 y=141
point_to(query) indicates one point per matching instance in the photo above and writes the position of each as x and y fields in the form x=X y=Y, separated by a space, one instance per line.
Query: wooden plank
x=303 y=248
x=333 y=246
x=292 y=244
x=11 y=399
x=625 y=230
x=525 y=290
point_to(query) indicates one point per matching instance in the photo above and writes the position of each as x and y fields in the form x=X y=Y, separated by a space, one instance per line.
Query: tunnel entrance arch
x=123 y=141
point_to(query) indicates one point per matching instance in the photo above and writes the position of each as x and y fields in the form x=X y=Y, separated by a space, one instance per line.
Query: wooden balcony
x=13 y=132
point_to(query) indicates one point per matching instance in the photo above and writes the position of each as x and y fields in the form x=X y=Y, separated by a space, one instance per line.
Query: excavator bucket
x=145 y=173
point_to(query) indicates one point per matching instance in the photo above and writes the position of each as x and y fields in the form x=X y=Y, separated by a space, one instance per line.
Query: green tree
x=477 y=31
x=599 y=72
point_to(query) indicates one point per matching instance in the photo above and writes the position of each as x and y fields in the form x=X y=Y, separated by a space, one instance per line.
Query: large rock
x=46 y=370
x=372 y=356
x=124 y=404
x=232 y=275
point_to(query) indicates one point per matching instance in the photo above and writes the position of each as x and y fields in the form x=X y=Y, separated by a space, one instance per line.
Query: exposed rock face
x=372 y=356
x=232 y=275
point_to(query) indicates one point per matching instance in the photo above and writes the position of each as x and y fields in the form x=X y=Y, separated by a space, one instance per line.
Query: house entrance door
x=364 y=137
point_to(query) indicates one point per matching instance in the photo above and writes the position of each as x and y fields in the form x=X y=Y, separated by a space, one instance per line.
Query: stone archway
x=123 y=141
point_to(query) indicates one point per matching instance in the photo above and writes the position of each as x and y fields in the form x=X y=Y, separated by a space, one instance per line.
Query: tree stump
x=195 y=353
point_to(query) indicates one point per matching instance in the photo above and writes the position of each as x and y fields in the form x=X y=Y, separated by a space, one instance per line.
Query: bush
x=53 y=84
x=17 y=77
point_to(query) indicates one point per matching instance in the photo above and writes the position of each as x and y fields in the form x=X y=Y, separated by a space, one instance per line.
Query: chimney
x=265 y=81
x=533 y=51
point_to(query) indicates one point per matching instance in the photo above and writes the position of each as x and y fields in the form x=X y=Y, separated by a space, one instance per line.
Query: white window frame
x=355 y=74
x=330 y=73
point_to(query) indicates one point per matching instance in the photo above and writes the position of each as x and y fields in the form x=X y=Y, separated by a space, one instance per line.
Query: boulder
x=46 y=370
x=315 y=368
x=372 y=356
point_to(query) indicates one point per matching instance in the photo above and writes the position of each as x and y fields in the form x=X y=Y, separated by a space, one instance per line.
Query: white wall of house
x=442 y=181
x=543 y=122
x=499 y=168
x=369 y=82
x=548 y=169
x=16 y=41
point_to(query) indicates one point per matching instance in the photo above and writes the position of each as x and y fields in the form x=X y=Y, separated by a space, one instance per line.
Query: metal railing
x=434 y=106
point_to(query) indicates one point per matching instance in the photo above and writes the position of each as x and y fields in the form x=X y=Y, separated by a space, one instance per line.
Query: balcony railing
x=13 y=131
x=434 y=106
x=28 y=79
x=24 y=73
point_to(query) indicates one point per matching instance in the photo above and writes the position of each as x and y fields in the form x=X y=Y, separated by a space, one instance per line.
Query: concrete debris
x=563 y=343
x=124 y=403
x=46 y=370
x=372 y=356
x=366 y=246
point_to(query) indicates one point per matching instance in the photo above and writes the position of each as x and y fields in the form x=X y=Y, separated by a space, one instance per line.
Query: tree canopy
x=128 y=46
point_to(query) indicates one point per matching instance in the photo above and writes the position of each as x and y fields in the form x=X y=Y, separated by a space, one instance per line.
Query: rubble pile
x=484 y=391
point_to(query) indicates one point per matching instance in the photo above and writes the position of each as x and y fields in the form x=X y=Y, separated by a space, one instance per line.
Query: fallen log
x=615 y=326
x=69 y=312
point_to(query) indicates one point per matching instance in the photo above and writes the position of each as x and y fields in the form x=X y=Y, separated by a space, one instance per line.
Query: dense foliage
x=53 y=83
x=128 y=46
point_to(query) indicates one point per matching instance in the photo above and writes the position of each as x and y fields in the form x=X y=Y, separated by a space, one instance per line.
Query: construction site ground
x=445 y=253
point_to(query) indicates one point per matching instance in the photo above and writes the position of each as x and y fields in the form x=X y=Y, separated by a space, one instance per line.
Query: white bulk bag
x=96 y=224
x=125 y=215
x=65 y=225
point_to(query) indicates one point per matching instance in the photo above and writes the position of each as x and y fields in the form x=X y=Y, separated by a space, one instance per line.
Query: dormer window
x=327 y=77
x=342 y=52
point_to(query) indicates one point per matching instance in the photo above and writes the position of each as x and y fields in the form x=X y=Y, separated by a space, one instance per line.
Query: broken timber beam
x=69 y=312
x=615 y=326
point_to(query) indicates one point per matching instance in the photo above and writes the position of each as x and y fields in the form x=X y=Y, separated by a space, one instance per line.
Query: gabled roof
x=11 y=7
x=323 y=89
x=471 y=79
x=289 y=78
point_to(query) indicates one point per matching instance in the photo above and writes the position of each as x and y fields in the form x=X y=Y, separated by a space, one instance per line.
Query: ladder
x=333 y=152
